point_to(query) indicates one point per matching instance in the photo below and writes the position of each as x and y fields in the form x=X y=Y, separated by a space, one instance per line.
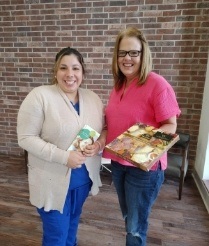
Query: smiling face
x=129 y=66
x=69 y=75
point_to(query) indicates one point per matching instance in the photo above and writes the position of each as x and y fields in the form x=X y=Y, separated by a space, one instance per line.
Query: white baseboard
x=202 y=189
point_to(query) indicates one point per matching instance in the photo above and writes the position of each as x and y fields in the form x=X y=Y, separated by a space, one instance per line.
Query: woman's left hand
x=91 y=149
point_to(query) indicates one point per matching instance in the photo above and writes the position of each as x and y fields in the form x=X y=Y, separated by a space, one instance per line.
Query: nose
x=69 y=73
x=127 y=56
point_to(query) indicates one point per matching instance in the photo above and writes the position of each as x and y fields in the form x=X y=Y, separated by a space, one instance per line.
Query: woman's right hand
x=75 y=159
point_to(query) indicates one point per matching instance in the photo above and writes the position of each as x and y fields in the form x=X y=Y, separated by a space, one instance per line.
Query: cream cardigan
x=46 y=126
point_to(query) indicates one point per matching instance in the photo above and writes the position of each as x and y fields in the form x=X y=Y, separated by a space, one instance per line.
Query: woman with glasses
x=139 y=95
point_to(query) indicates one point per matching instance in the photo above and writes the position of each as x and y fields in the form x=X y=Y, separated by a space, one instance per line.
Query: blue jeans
x=137 y=191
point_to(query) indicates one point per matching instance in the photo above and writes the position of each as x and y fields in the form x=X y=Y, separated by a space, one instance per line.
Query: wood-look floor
x=172 y=222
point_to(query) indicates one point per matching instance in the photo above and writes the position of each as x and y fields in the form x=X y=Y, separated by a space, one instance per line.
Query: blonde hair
x=146 y=59
x=66 y=52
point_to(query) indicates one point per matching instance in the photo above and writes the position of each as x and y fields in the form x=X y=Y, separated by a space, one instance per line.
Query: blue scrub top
x=79 y=176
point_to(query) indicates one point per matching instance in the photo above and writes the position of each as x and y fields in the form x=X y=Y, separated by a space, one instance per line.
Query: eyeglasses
x=131 y=53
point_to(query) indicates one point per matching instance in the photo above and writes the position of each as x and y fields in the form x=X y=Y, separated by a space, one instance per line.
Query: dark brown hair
x=66 y=52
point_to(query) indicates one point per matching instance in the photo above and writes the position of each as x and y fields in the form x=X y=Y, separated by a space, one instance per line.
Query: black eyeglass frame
x=128 y=52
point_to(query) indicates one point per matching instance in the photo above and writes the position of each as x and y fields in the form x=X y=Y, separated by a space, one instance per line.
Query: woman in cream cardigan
x=49 y=119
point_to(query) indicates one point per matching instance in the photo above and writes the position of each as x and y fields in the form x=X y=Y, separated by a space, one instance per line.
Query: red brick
x=31 y=35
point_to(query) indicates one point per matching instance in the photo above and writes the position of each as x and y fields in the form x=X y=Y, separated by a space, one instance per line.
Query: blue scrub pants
x=61 y=229
x=137 y=191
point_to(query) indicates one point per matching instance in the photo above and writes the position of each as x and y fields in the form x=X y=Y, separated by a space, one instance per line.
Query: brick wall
x=33 y=31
